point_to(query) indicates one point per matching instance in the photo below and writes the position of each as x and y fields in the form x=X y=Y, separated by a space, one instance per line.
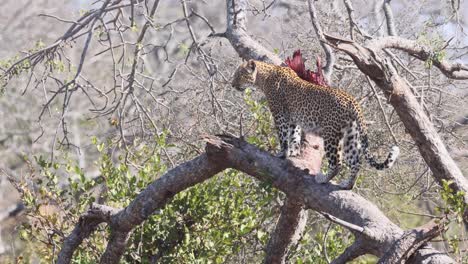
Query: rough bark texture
x=374 y=232
x=411 y=240
x=399 y=94
x=293 y=218
x=287 y=233
x=236 y=33
x=155 y=196
x=378 y=232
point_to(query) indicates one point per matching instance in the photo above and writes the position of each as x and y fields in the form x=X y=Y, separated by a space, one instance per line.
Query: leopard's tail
x=388 y=163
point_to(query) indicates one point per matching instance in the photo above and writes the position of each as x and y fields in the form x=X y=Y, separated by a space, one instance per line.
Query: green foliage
x=204 y=224
x=312 y=247
x=437 y=44
x=454 y=200
x=264 y=134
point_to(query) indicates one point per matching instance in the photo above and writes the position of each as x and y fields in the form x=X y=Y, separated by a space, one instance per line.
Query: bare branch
x=330 y=57
x=411 y=240
x=223 y=152
x=352 y=21
x=236 y=33
x=451 y=70
x=389 y=17
x=399 y=94
x=153 y=197
x=293 y=218
x=288 y=231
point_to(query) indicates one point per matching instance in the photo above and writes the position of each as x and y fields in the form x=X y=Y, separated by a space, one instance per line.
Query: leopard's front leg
x=282 y=128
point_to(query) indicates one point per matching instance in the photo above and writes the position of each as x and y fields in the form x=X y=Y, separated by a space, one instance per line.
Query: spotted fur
x=298 y=106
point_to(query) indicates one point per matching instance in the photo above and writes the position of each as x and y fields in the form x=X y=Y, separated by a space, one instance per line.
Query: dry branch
x=389 y=17
x=288 y=231
x=330 y=57
x=155 y=196
x=411 y=113
x=227 y=152
x=299 y=186
x=293 y=217
x=410 y=241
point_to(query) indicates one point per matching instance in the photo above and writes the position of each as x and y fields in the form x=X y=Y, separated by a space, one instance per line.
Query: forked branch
x=228 y=152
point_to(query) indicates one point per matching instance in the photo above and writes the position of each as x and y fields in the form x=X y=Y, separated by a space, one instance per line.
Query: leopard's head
x=245 y=76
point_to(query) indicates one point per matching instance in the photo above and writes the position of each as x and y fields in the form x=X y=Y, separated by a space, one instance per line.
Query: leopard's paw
x=281 y=155
x=346 y=184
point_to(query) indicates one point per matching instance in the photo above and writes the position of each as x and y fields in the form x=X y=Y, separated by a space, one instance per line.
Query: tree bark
x=376 y=233
x=293 y=217
x=399 y=94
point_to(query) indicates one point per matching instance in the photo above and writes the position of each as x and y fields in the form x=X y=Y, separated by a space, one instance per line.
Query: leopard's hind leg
x=333 y=153
x=352 y=153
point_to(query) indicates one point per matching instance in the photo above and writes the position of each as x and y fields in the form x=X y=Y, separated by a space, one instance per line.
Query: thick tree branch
x=228 y=152
x=348 y=206
x=288 y=231
x=86 y=225
x=236 y=33
x=293 y=218
x=451 y=70
x=417 y=123
x=410 y=241
x=224 y=152
x=155 y=196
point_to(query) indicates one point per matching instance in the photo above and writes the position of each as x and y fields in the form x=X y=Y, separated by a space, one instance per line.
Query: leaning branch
x=236 y=33
x=411 y=240
x=414 y=118
x=330 y=57
x=293 y=217
x=389 y=17
x=155 y=196
x=227 y=152
x=450 y=69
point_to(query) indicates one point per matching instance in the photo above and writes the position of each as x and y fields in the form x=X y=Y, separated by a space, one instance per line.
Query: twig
x=389 y=17
x=330 y=57
x=387 y=122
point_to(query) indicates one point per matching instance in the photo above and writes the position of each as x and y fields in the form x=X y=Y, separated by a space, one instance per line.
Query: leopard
x=299 y=107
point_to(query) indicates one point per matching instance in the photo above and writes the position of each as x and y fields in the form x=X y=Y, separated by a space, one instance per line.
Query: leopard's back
x=315 y=106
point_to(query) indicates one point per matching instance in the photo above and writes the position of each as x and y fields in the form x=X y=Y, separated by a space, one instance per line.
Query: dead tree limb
x=293 y=217
x=411 y=240
x=398 y=93
x=227 y=152
x=330 y=57
x=288 y=231
x=236 y=33
x=245 y=46
x=389 y=18
x=155 y=196
x=380 y=233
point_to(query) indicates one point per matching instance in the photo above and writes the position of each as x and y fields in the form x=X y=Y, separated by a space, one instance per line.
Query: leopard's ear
x=251 y=66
